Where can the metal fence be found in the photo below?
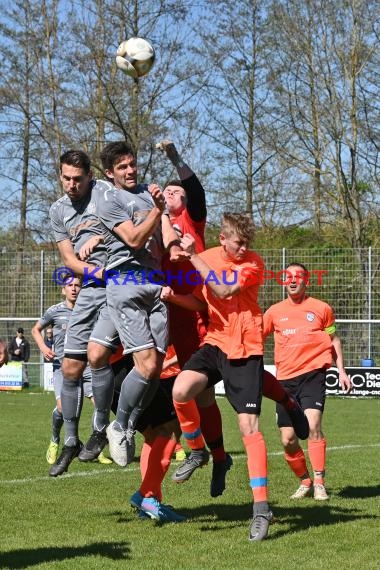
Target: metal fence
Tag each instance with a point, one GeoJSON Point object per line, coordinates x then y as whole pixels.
{"type": "Point", "coordinates": [348, 281]}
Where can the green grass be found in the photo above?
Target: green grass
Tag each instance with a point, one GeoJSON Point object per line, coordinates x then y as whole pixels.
{"type": "Point", "coordinates": [83, 519]}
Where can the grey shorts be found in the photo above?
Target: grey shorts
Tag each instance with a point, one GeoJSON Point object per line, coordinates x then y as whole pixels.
{"type": "Point", "coordinates": [57, 383]}
{"type": "Point", "coordinates": [138, 313]}
{"type": "Point", "coordinates": [90, 320]}
{"type": "Point", "coordinates": [86, 379]}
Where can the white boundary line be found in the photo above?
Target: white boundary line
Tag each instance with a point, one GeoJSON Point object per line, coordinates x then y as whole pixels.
{"type": "Point", "coordinates": [107, 470]}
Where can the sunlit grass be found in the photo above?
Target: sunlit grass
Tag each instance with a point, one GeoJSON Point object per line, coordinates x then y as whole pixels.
{"type": "Point", "coordinates": [83, 519]}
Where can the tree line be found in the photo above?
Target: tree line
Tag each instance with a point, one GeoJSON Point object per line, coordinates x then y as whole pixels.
{"type": "Point", "coordinates": [275, 104]}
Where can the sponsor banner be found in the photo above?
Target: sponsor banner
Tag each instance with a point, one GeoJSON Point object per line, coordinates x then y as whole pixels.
{"type": "Point", "coordinates": [11, 376]}
{"type": "Point", "coordinates": [48, 377]}
{"type": "Point", "coordinates": [366, 382]}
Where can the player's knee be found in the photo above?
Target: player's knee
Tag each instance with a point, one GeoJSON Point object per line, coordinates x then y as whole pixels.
{"type": "Point", "coordinates": [181, 393]}
{"type": "Point", "coordinates": [248, 424]}
{"type": "Point", "coordinates": [72, 369]}
{"type": "Point", "coordinates": [149, 370]}
{"type": "Point", "coordinates": [98, 355]}
{"type": "Point", "coordinates": [315, 434]}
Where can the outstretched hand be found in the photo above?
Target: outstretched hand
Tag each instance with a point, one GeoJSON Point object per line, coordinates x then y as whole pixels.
{"type": "Point", "coordinates": [168, 147]}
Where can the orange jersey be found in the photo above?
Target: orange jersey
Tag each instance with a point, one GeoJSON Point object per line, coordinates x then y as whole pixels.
{"type": "Point", "coordinates": [173, 369]}
{"type": "Point", "coordinates": [302, 342]}
{"type": "Point", "coordinates": [235, 323]}
{"type": "Point", "coordinates": [178, 275]}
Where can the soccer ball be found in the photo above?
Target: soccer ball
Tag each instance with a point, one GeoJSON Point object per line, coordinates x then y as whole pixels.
{"type": "Point", "coordinates": [135, 57]}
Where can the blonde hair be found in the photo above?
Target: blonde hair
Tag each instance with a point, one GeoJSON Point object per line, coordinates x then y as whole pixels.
{"type": "Point", "coordinates": [239, 224]}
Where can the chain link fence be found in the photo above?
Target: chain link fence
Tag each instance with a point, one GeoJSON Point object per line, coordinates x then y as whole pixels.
{"type": "Point", "coordinates": [349, 281]}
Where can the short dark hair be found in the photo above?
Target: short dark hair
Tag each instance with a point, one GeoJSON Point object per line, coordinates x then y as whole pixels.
{"type": "Point", "coordinates": [113, 151]}
{"type": "Point", "coordinates": [20, 330]}
{"type": "Point", "coordinates": [76, 158]}
{"type": "Point", "coordinates": [296, 264]}
{"type": "Point", "coordinates": [175, 183]}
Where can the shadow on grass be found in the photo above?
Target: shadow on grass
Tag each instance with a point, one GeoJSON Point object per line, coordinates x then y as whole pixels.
{"type": "Point", "coordinates": [286, 519]}
{"type": "Point", "coordinates": [359, 492]}
{"type": "Point", "coordinates": [26, 557]}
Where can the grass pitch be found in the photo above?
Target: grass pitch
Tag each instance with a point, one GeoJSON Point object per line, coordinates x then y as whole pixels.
{"type": "Point", "coordinates": [83, 519]}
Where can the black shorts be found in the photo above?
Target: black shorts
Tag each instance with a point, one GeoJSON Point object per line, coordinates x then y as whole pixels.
{"type": "Point", "coordinates": [242, 377]}
{"type": "Point", "coordinates": [161, 409]}
{"type": "Point", "coordinates": [309, 389]}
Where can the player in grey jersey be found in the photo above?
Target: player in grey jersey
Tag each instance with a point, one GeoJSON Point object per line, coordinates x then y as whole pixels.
{"type": "Point", "coordinates": [91, 335]}
{"type": "Point", "coordinates": [58, 316]}
{"type": "Point", "coordinates": [136, 231]}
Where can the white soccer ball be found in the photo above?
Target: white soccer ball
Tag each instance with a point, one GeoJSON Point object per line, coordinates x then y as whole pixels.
{"type": "Point", "coordinates": [135, 57]}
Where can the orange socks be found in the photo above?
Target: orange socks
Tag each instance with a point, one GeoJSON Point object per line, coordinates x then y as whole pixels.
{"type": "Point", "coordinates": [211, 425]}
{"type": "Point", "coordinates": [297, 463]}
{"type": "Point", "coordinates": [188, 416]}
{"type": "Point", "coordinates": [160, 455]}
{"type": "Point", "coordinates": [144, 458]}
{"type": "Point", "coordinates": [317, 454]}
{"type": "Point", "coordinates": [257, 465]}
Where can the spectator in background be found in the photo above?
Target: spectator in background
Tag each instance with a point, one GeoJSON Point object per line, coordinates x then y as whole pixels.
{"type": "Point", "coordinates": [19, 351]}
{"type": "Point", "coordinates": [49, 342]}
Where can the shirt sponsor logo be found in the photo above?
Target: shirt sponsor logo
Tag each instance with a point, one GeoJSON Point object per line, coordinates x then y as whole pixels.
{"type": "Point", "coordinates": [250, 405]}
{"type": "Point", "coordinates": [287, 332]}
{"type": "Point", "coordinates": [310, 317]}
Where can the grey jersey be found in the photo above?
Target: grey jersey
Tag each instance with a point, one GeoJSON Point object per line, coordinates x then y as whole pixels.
{"type": "Point", "coordinates": [115, 206]}
{"type": "Point", "coordinates": [78, 222]}
{"type": "Point", "coordinates": [58, 317]}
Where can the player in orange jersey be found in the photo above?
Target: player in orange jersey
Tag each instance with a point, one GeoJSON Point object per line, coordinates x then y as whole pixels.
{"type": "Point", "coordinates": [232, 350]}
{"type": "Point", "coordinates": [305, 345]}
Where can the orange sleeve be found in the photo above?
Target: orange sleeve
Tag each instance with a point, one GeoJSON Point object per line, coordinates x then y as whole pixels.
{"type": "Point", "coordinates": [268, 326]}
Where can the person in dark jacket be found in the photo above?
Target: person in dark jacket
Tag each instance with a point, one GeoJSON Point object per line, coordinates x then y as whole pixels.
{"type": "Point", "coordinates": [19, 351]}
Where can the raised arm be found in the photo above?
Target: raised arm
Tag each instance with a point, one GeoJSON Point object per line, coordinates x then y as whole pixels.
{"type": "Point", "coordinates": [195, 194]}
